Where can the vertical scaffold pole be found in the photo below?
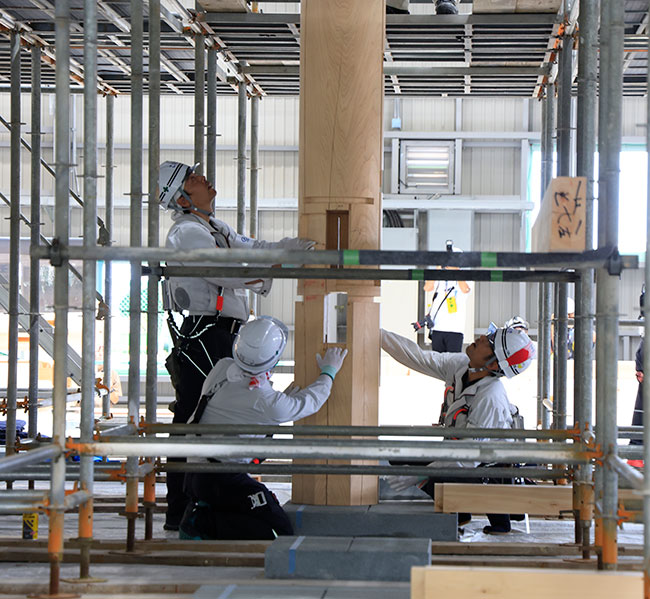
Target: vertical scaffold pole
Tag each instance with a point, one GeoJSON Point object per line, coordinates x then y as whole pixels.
{"type": "Point", "coordinates": [61, 240]}
{"type": "Point", "coordinates": [86, 472]}
{"type": "Point", "coordinates": [14, 246]}
{"type": "Point", "coordinates": [646, 368]}
{"type": "Point", "coordinates": [35, 240]}
{"type": "Point", "coordinates": [135, 304]}
{"type": "Point", "coordinates": [584, 323]}
{"type": "Point", "coordinates": [211, 138]}
{"type": "Point", "coordinates": [108, 264]}
{"type": "Point", "coordinates": [255, 154]}
{"type": "Point", "coordinates": [241, 158]}
{"type": "Point", "coordinates": [199, 101]}
{"type": "Point", "coordinates": [151, 396]}
{"type": "Point", "coordinates": [611, 54]}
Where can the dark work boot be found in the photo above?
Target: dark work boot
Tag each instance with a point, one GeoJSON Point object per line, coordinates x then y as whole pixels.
{"type": "Point", "coordinates": [499, 524]}
{"type": "Point", "coordinates": [464, 519]}
{"type": "Point", "coordinates": [446, 7]}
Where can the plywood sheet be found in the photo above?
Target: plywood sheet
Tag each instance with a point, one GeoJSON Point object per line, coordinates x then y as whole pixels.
{"type": "Point", "coordinates": [225, 5]}
{"type": "Point", "coordinates": [441, 582]}
{"type": "Point", "coordinates": [560, 223]}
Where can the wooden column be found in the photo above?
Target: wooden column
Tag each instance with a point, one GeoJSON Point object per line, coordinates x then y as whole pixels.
{"type": "Point", "coordinates": [341, 100]}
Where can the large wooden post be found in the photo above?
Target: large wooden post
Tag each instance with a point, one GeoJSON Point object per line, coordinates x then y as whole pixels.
{"type": "Point", "coordinates": [341, 100]}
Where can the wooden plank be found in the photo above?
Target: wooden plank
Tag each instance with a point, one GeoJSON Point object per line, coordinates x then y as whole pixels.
{"type": "Point", "coordinates": [225, 5]}
{"type": "Point", "coordinates": [511, 583]}
{"type": "Point", "coordinates": [515, 6]}
{"type": "Point", "coordinates": [536, 500]}
{"type": "Point", "coordinates": [537, 6]}
{"type": "Point", "coordinates": [493, 6]}
{"type": "Point", "coordinates": [560, 224]}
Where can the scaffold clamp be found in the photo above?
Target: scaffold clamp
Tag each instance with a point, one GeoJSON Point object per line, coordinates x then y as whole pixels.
{"type": "Point", "coordinates": [615, 263]}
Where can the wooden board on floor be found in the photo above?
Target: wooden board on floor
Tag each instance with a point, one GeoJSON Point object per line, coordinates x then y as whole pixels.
{"type": "Point", "coordinates": [224, 5]}
{"type": "Point", "coordinates": [515, 6]}
{"type": "Point", "coordinates": [438, 582]}
{"type": "Point", "coordinates": [535, 500]}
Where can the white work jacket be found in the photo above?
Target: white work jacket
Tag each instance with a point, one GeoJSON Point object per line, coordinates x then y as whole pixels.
{"type": "Point", "coordinates": [198, 295]}
{"type": "Point", "coordinates": [236, 403]}
{"type": "Point", "coordinates": [486, 400]}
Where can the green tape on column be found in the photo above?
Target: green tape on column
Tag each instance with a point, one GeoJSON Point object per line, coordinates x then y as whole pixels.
{"type": "Point", "coordinates": [417, 275]}
{"type": "Point", "coordinates": [350, 257]}
{"type": "Point", "coordinates": [489, 259]}
{"type": "Point", "coordinates": [496, 275]}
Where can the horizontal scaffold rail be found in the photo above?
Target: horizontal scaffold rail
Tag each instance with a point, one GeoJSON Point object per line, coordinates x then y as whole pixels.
{"type": "Point", "coordinates": [429, 471]}
{"type": "Point", "coordinates": [366, 274]}
{"type": "Point", "coordinates": [353, 431]}
{"type": "Point", "coordinates": [346, 449]}
{"type": "Point", "coordinates": [603, 257]}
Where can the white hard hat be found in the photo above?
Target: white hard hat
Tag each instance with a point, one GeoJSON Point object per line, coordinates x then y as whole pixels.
{"type": "Point", "coordinates": [517, 322]}
{"type": "Point", "coordinates": [513, 349]}
{"type": "Point", "coordinates": [171, 178]}
{"type": "Point", "coordinates": [570, 306]}
{"type": "Point", "coordinates": [260, 344]}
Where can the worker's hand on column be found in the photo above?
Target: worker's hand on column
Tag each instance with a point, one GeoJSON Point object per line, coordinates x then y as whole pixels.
{"type": "Point", "coordinates": [298, 243]}
{"type": "Point", "coordinates": [639, 376]}
{"type": "Point", "coordinates": [332, 361]}
{"type": "Point", "coordinates": [401, 483]}
{"type": "Point", "coordinates": [292, 389]}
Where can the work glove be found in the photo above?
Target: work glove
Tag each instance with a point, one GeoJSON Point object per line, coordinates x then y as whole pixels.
{"type": "Point", "coordinates": [297, 243]}
{"type": "Point", "coordinates": [401, 483]}
{"type": "Point", "coordinates": [332, 361]}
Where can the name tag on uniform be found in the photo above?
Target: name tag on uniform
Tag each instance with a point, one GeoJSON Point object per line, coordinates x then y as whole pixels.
{"type": "Point", "coordinates": [451, 305]}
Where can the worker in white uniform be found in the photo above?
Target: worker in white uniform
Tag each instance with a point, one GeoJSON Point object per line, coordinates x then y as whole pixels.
{"type": "Point", "coordinates": [474, 395]}
{"type": "Point", "coordinates": [213, 308]}
{"type": "Point", "coordinates": [238, 390]}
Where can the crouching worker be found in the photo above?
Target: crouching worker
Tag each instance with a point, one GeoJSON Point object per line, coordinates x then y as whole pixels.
{"type": "Point", "coordinates": [238, 391]}
{"type": "Point", "coordinates": [474, 395]}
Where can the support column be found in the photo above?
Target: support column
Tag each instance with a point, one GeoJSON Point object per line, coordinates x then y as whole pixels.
{"type": "Point", "coordinates": [136, 269]}
{"type": "Point", "coordinates": [584, 317]}
{"type": "Point", "coordinates": [108, 264]}
{"type": "Point", "coordinates": [211, 150]}
{"type": "Point", "coordinates": [241, 158]}
{"type": "Point", "coordinates": [199, 101]}
{"type": "Point", "coordinates": [254, 172]}
{"type": "Point", "coordinates": [339, 207]}
{"type": "Point", "coordinates": [86, 470]}
{"type": "Point", "coordinates": [14, 245]}
{"type": "Point", "coordinates": [35, 240]}
{"type": "Point", "coordinates": [62, 234]}
{"type": "Point", "coordinates": [611, 55]}
{"type": "Point", "coordinates": [153, 212]}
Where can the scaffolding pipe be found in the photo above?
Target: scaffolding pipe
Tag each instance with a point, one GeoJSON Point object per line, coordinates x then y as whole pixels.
{"type": "Point", "coordinates": [355, 449]}
{"type": "Point", "coordinates": [255, 153]}
{"type": "Point", "coordinates": [108, 264]}
{"type": "Point", "coordinates": [241, 158]}
{"type": "Point", "coordinates": [135, 308]}
{"type": "Point", "coordinates": [584, 319]}
{"type": "Point", "coordinates": [436, 471]}
{"type": "Point", "coordinates": [496, 260]}
{"type": "Point", "coordinates": [14, 247]}
{"type": "Point", "coordinates": [646, 368]}
{"type": "Point", "coordinates": [199, 101]}
{"type": "Point", "coordinates": [89, 283]}
{"type": "Point", "coordinates": [211, 141]}
{"type": "Point", "coordinates": [630, 474]}
{"type": "Point", "coordinates": [611, 55]}
{"type": "Point", "coordinates": [34, 226]}
{"type": "Point", "coordinates": [19, 460]}
{"type": "Point", "coordinates": [62, 234]}
{"type": "Point", "coordinates": [365, 431]}
{"type": "Point", "coordinates": [370, 274]}
{"type": "Point", "coordinates": [151, 385]}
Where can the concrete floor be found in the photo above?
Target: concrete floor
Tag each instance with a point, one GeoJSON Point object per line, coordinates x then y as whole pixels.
{"type": "Point", "coordinates": [132, 579]}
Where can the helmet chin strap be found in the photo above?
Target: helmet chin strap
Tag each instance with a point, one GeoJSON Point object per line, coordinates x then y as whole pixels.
{"type": "Point", "coordinates": [193, 207]}
{"type": "Point", "coordinates": [484, 368]}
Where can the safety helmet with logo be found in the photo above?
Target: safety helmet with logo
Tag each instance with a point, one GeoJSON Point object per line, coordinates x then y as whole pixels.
{"type": "Point", "coordinates": [517, 322]}
{"type": "Point", "coordinates": [260, 344]}
{"type": "Point", "coordinates": [171, 179]}
{"type": "Point", "coordinates": [513, 349]}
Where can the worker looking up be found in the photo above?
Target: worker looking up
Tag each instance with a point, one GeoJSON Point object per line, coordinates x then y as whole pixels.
{"type": "Point", "coordinates": [238, 391]}
{"type": "Point", "coordinates": [474, 395]}
{"type": "Point", "coordinates": [213, 308]}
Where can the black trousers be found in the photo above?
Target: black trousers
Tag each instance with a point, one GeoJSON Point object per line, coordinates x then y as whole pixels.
{"type": "Point", "coordinates": [239, 507]}
{"type": "Point", "coordinates": [188, 365]}
{"type": "Point", "coordinates": [637, 417]}
{"type": "Point", "coordinates": [446, 341]}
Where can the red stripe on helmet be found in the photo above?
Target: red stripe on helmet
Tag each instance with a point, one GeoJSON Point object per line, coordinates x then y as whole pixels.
{"type": "Point", "coordinates": [519, 356]}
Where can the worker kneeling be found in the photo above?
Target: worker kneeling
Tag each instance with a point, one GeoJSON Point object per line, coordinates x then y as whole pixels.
{"type": "Point", "coordinates": [238, 391]}
{"type": "Point", "coordinates": [474, 395]}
